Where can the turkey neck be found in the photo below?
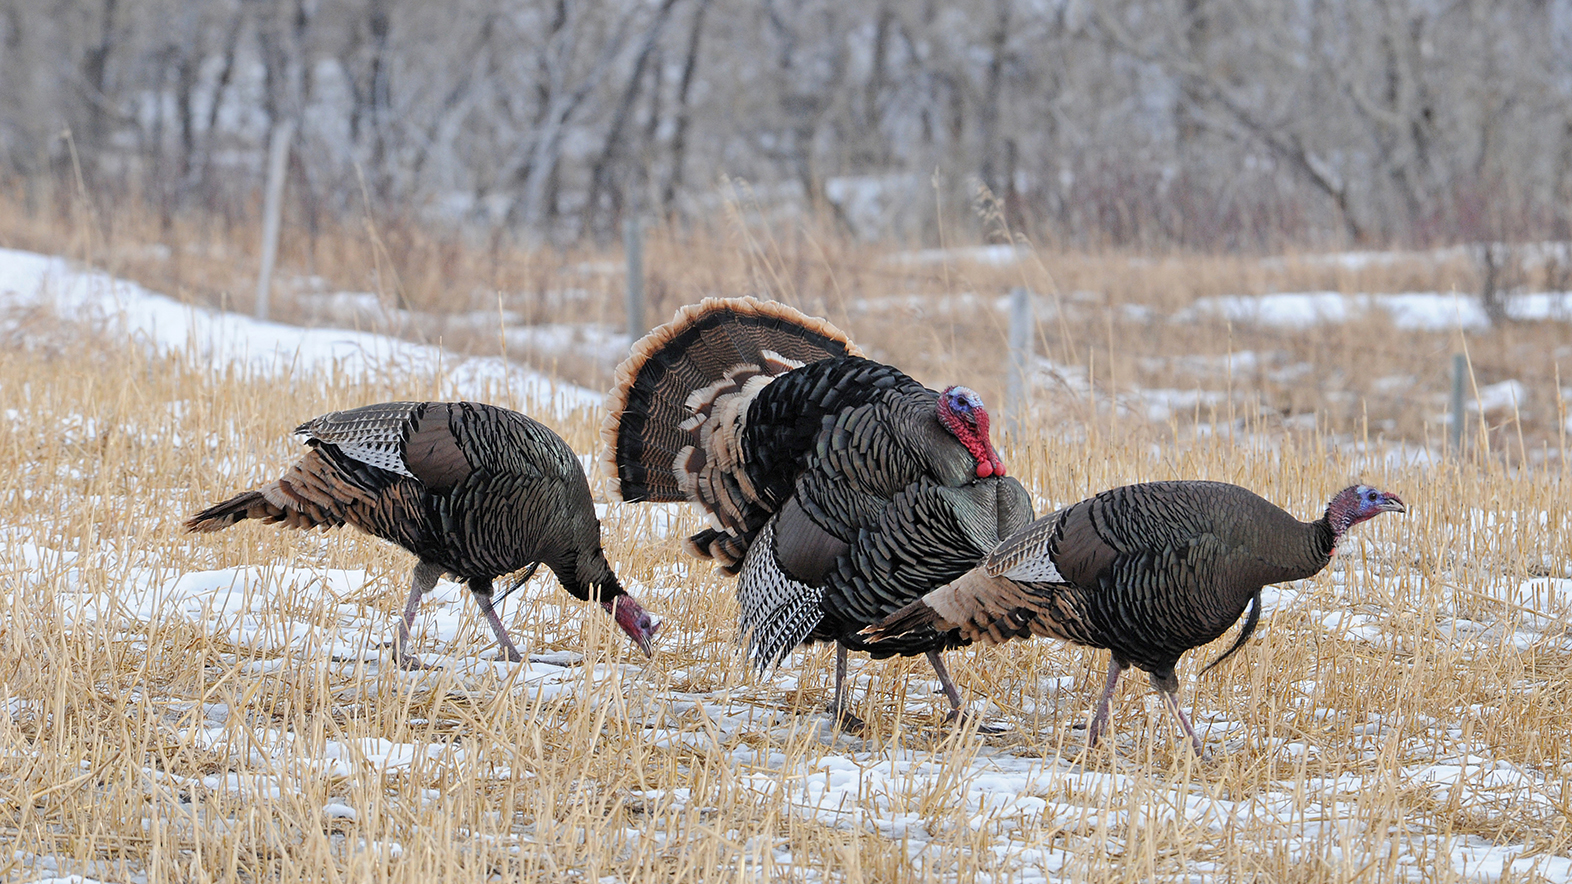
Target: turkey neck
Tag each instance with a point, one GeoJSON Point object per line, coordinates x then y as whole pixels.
{"type": "Point", "coordinates": [588, 575]}
{"type": "Point", "coordinates": [1323, 541]}
{"type": "Point", "coordinates": [1311, 549]}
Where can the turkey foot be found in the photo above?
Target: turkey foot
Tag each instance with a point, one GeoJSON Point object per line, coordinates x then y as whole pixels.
{"type": "Point", "coordinates": [507, 651]}
{"type": "Point", "coordinates": [844, 719]}
{"type": "Point", "coordinates": [1172, 702]}
{"type": "Point", "coordinates": [423, 579]}
{"type": "Point", "coordinates": [962, 718]}
{"type": "Point", "coordinates": [411, 663]}
{"type": "Point", "coordinates": [1099, 723]}
{"type": "Point", "coordinates": [957, 714]}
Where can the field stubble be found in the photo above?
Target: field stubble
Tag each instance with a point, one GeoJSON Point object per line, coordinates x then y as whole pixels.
{"type": "Point", "coordinates": [263, 738]}
{"type": "Point", "coordinates": [1116, 334]}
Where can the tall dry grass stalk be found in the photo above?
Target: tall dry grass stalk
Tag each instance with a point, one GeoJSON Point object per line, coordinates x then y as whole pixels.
{"type": "Point", "coordinates": [142, 740]}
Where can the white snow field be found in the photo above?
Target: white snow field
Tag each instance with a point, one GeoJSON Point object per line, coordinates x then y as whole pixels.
{"type": "Point", "coordinates": [1401, 788]}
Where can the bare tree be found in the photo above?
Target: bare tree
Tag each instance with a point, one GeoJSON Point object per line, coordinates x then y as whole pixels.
{"type": "Point", "coordinates": [682, 113]}
{"type": "Point", "coordinates": [1247, 124]}
{"type": "Point", "coordinates": [613, 147]}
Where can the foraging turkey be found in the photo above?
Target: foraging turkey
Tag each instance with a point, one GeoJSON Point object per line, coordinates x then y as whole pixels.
{"type": "Point", "coordinates": [1147, 571]}
{"type": "Point", "coordinates": [473, 490]}
{"type": "Point", "coordinates": [836, 487]}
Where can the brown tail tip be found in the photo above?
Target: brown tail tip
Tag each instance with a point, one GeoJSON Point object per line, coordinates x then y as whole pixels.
{"type": "Point", "coordinates": [911, 618]}
{"type": "Point", "coordinates": [221, 515]}
{"type": "Point", "coordinates": [200, 524]}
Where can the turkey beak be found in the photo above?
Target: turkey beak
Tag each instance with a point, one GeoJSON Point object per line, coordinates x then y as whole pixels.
{"type": "Point", "coordinates": [1391, 503]}
{"type": "Point", "coordinates": [646, 639]}
{"type": "Point", "coordinates": [635, 621]}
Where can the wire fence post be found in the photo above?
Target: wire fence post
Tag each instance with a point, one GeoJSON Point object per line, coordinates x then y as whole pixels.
{"type": "Point", "coordinates": [1020, 358]}
{"type": "Point", "coordinates": [633, 245]}
{"type": "Point", "coordinates": [1455, 432]}
{"type": "Point", "coordinates": [273, 208]}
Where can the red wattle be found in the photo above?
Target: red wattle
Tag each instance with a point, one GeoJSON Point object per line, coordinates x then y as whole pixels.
{"type": "Point", "coordinates": [984, 469]}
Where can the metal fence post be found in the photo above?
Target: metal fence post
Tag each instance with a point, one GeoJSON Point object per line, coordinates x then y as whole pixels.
{"type": "Point", "coordinates": [1455, 434]}
{"type": "Point", "coordinates": [1020, 358]}
{"type": "Point", "coordinates": [633, 245]}
{"type": "Point", "coordinates": [273, 208]}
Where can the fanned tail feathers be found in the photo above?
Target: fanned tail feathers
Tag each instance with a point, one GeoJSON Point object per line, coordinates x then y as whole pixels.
{"type": "Point", "coordinates": [708, 352]}
{"type": "Point", "coordinates": [679, 405]}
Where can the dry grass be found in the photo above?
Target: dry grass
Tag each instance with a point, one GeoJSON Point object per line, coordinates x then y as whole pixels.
{"type": "Point", "coordinates": [145, 743]}
{"type": "Point", "coordinates": [1104, 320]}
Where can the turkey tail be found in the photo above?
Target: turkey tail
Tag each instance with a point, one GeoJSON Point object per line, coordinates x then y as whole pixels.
{"type": "Point", "coordinates": [696, 364]}
{"type": "Point", "coordinates": [952, 607]}
{"type": "Point", "coordinates": [260, 505]}
{"type": "Point", "coordinates": [246, 505]}
{"type": "Point", "coordinates": [312, 494]}
{"type": "Point", "coordinates": [912, 618]}
{"type": "Point", "coordinates": [718, 545]}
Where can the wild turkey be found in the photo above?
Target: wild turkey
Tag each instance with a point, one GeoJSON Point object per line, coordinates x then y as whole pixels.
{"type": "Point", "coordinates": [838, 488]}
{"type": "Point", "coordinates": [473, 490]}
{"type": "Point", "coordinates": [1147, 571]}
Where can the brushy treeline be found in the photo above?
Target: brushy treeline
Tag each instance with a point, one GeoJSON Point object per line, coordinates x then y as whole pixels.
{"type": "Point", "coordinates": [1204, 124]}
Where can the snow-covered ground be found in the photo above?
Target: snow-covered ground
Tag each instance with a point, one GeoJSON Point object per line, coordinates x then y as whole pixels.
{"type": "Point", "coordinates": [1017, 799]}
{"type": "Point", "coordinates": [221, 340]}
{"type": "Point", "coordinates": [1426, 311]}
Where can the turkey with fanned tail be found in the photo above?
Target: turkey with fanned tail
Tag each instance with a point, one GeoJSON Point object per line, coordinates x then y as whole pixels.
{"type": "Point", "coordinates": [837, 488]}
{"type": "Point", "coordinates": [1147, 571]}
{"type": "Point", "coordinates": [473, 490]}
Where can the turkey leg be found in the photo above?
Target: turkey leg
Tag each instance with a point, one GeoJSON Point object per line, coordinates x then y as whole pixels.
{"type": "Point", "coordinates": [425, 577]}
{"type": "Point", "coordinates": [1100, 720]}
{"type": "Point", "coordinates": [844, 719]}
{"type": "Point", "coordinates": [482, 592]}
{"type": "Point", "coordinates": [1172, 701]}
{"type": "Point", "coordinates": [956, 713]}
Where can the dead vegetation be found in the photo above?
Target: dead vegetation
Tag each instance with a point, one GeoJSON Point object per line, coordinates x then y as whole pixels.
{"type": "Point", "coordinates": [154, 743]}
{"type": "Point", "coordinates": [149, 742]}
{"type": "Point", "coordinates": [1119, 337]}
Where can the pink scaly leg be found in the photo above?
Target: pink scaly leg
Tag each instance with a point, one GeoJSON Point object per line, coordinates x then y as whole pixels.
{"type": "Point", "coordinates": [425, 577]}
{"type": "Point", "coordinates": [482, 591]}
{"type": "Point", "coordinates": [956, 713]}
{"type": "Point", "coordinates": [1100, 720]}
{"type": "Point", "coordinates": [1172, 702]}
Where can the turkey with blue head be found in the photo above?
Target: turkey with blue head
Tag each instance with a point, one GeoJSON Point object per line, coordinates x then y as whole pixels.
{"type": "Point", "coordinates": [1147, 571]}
